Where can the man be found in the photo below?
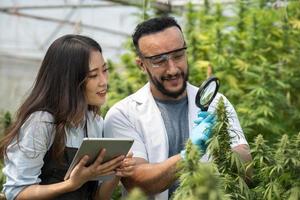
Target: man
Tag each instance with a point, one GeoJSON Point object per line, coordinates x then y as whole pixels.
{"type": "Point", "coordinates": [160, 116]}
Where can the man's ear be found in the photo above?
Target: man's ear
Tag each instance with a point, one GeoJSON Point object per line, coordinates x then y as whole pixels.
{"type": "Point", "coordinates": [140, 63]}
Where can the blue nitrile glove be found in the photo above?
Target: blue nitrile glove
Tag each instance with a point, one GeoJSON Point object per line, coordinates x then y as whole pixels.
{"type": "Point", "coordinates": [201, 131]}
{"type": "Point", "coordinates": [201, 116]}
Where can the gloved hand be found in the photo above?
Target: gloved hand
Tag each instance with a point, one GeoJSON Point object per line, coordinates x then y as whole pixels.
{"type": "Point", "coordinates": [201, 131]}
{"type": "Point", "coordinates": [201, 116]}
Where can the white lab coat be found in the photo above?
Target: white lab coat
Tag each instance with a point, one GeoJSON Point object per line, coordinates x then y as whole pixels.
{"type": "Point", "coordinates": [138, 117]}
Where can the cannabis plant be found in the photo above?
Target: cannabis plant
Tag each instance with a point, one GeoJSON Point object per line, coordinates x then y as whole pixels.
{"type": "Point", "coordinates": [277, 168]}
{"type": "Point", "coordinates": [232, 169]}
{"type": "Point", "coordinates": [198, 181]}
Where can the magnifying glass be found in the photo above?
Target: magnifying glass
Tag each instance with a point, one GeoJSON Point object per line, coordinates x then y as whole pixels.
{"type": "Point", "coordinates": [207, 92]}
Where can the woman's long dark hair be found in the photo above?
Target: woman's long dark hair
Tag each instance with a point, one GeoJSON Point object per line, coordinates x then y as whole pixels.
{"type": "Point", "coordinates": [59, 89]}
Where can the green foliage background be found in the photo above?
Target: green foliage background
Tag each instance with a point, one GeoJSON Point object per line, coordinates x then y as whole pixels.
{"type": "Point", "coordinates": [253, 47]}
{"type": "Point", "coordinates": [5, 121]}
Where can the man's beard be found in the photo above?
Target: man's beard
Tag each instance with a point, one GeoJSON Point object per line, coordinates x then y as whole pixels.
{"type": "Point", "coordinates": [160, 87]}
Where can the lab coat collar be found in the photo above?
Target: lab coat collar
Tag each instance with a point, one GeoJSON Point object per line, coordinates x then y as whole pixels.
{"type": "Point", "coordinates": [143, 94]}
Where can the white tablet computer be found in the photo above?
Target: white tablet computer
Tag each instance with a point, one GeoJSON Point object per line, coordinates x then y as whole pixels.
{"type": "Point", "coordinates": [92, 146]}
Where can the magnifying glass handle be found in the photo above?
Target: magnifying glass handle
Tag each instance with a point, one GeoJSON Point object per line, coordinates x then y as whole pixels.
{"type": "Point", "coordinates": [204, 109]}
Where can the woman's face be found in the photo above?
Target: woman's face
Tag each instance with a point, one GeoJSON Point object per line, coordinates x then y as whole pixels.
{"type": "Point", "coordinates": [96, 84]}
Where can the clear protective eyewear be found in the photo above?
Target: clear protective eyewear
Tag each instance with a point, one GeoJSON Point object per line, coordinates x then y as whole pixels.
{"type": "Point", "coordinates": [161, 60]}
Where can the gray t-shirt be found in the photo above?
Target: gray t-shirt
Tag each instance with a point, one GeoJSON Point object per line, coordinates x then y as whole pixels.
{"type": "Point", "coordinates": [175, 116]}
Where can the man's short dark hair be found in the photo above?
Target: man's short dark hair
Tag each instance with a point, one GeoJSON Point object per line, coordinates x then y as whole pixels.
{"type": "Point", "coordinates": [152, 25]}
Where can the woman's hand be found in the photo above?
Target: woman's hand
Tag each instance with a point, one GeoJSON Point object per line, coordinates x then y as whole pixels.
{"type": "Point", "coordinates": [124, 170]}
{"type": "Point", "coordinates": [82, 173]}
{"type": "Point", "coordinates": [127, 166]}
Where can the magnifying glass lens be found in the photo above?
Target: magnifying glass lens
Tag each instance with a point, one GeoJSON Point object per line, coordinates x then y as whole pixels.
{"type": "Point", "coordinates": [207, 92]}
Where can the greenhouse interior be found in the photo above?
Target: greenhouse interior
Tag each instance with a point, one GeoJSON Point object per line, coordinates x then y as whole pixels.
{"type": "Point", "coordinates": [249, 132]}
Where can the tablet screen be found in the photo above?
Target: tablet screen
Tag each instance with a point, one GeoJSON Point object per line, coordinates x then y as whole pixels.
{"type": "Point", "coordinates": [92, 147]}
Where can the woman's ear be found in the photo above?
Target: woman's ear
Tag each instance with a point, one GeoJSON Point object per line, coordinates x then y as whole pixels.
{"type": "Point", "coordinates": [140, 63]}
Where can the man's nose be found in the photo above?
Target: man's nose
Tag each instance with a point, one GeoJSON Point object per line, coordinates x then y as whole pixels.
{"type": "Point", "coordinates": [171, 68]}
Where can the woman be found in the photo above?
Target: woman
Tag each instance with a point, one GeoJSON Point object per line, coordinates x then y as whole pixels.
{"type": "Point", "coordinates": [50, 125]}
